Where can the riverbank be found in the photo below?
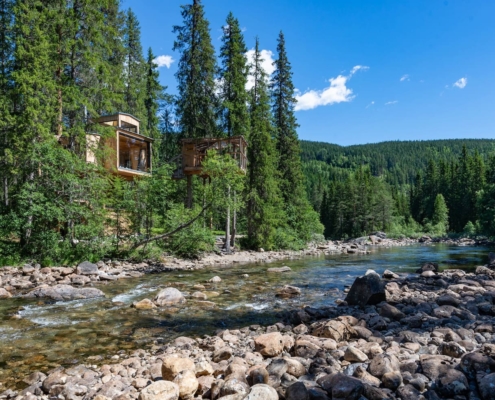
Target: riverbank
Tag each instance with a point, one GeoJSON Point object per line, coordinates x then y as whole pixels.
{"type": "Point", "coordinates": [34, 281]}
{"type": "Point", "coordinates": [426, 335]}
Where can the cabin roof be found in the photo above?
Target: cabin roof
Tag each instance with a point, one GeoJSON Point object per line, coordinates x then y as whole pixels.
{"type": "Point", "coordinates": [120, 113]}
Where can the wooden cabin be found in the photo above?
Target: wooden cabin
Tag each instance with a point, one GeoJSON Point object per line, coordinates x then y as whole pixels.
{"type": "Point", "coordinates": [131, 155]}
{"type": "Point", "coordinates": [194, 151]}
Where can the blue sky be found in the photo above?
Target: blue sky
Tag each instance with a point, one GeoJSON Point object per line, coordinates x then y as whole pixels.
{"type": "Point", "coordinates": [366, 70]}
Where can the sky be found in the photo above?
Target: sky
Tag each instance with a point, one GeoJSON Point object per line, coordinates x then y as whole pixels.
{"type": "Point", "coordinates": [365, 70]}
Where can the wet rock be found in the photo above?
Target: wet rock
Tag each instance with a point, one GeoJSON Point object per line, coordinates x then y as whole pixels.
{"type": "Point", "coordinates": [279, 269]}
{"type": "Point", "coordinates": [87, 268]}
{"type": "Point", "coordinates": [366, 290]}
{"type": "Point", "coordinates": [389, 275]}
{"type": "Point", "coordinates": [288, 292]}
{"type": "Point", "coordinates": [215, 279]}
{"type": "Point", "coordinates": [199, 296]}
{"type": "Point", "coordinates": [269, 344]}
{"type": "Point", "coordinates": [145, 304]}
{"type": "Point", "coordinates": [169, 296]}
{"type": "Point", "coordinates": [173, 365]}
{"type": "Point", "coordinates": [161, 390]}
{"type": "Point", "coordinates": [428, 267]}
{"type": "Point", "coordinates": [64, 292]}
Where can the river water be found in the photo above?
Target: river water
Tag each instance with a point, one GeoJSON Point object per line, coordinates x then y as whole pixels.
{"type": "Point", "coordinates": [40, 335]}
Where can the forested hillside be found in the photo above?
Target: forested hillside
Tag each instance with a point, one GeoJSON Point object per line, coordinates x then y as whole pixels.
{"type": "Point", "coordinates": [402, 187]}
{"type": "Point", "coordinates": [66, 196]}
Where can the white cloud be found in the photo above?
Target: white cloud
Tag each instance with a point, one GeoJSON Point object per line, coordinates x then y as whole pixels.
{"type": "Point", "coordinates": [369, 105]}
{"type": "Point", "coordinates": [404, 78]}
{"type": "Point", "coordinates": [337, 92]}
{"type": "Point", "coordinates": [357, 68]}
{"type": "Point", "coordinates": [163, 61]}
{"type": "Point", "coordinates": [266, 64]}
{"type": "Point", "coordinates": [461, 83]}
{"type": "Point", "coordinates": [389, 103]}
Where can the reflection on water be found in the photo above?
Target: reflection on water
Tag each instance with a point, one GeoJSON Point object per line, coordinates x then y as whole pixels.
{"type": "Point", "coordinates": [41, 335]}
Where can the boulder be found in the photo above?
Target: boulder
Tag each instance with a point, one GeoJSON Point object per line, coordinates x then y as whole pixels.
{"type": "Point", "coordinates": [215, 279]}
{"type": "Point", "coordinates": [354, 355]}
{"type": "Point", "coordinates": [487, 386]}
{"type": "Point", "coordinates": [87, 268]}
{"type": "Point", "coordinates": [161, 390]}
{"type": "Point", "coordinates": [269, 344]}
{"type": "Point", "coordinates": [64, 292]}
{"type": "Point", "coordinates": [262, 392]}
{"type": "Point", "coordinates": [366, 290]}
{"type": "Point", "coordinates": [430, 266]}
{"type": "Point", "coordinates": [389, 311]}
{"type": "Point", "coordinates": [187, 382]}
{"type": "Point", "coordinates": [145, 304]}
{"type": "Point", "coordinates": [4, 294]}
{"type": "Point", "coordinates": [173, 365]}
{"type": "Point", "coordinates": [341, 386]}
{"type": "Point", "coordinates": [297, 391]}
{"type": "Point", "coordinates": [168, 297]}
{"type": "Point", "coordinates": [288, 292]}
{"type": "Point", "coordinates": [279, 269]}
{"type": "Point", "coordinates": [337, 329]}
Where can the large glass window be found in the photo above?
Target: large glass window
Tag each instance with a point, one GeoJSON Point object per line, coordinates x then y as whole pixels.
{"type": "Point", "coordinates": [134, 153]}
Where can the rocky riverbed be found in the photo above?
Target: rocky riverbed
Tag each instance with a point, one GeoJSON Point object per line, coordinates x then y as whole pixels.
{"type": "Point", "coordinates": [407, 336]}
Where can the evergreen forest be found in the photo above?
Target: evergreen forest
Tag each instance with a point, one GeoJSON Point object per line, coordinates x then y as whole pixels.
{"type": "Point", "coordinates": [64, 64]}
{"type": "Point", "coordinates": [408, 188]}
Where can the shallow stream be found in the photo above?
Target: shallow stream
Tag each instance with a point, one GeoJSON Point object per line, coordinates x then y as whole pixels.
{"type": "Point", "coordinates": [40, 335]}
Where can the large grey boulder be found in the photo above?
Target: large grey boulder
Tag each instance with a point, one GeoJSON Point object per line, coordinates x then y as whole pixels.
{"type": "Point", "coordinates": [366, 290]}
{"type": "Point", "coordinates": [87, 268]}
{"type": "Point", "coordinates": [168, 297]}
{"type": "Point", "coordinates": [64, 292]}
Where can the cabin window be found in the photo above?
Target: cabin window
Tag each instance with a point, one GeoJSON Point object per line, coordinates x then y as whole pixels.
{"type": "Point", "coordinates": [134, 153]}
{"type": "Point", "coordinates": [129, 127]}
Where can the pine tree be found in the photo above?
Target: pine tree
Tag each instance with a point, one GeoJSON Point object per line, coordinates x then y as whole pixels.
{"type": "Point", "coordinates": [441, 214]}
{"type": "Point", "coordinates": [263, 199]}
{"type": "Point", "coordinates": [153, 96]}
{"type": "Point", "coordinates": [301, 217]}
{"type": "Point", "coordinates": [6, 97]}
{"type": "Point", "coordinates": [233, 78]}
{"type": "Point", "coordinates": [196, 102]}
{"type": "Point", "coordinates": [135, 69]}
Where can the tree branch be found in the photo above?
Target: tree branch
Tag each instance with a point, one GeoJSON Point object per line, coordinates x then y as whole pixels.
{"type": "Point", "coordinates": [165, 235]}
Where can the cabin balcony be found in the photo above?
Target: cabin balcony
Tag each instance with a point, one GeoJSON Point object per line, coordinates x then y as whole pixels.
{"type": "Point", "coordinates": [194, 152]}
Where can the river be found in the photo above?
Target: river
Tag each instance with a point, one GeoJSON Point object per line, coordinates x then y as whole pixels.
{"type": "Point", "coordinates": [40, 335]}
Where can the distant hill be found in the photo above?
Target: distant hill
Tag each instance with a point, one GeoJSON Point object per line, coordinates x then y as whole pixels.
{"type": "Point", "coordinates": [397, 161]}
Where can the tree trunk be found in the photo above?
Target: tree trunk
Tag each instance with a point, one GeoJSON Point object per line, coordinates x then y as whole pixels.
{"type": "Point", "coordinates": [234, 224]}
{"type": "Point", "coordinates": [189, 192]}
{"type": "Point", "coordinates": [6, 191]}
{"type": "Point", "coordinates": [227, 227]}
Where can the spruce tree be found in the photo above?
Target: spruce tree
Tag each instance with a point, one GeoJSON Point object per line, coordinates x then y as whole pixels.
{"type": "Point", "coordinates": [135, 69]}
{"type": "Point", "coordinates": [301, 217]}
{"type": "Point", "coordinates": [233, 78]}
{"type": "Point", "coordinates": [263, 208]}
{"type": "Point", "coordinates": [196, 101]}
{"type": "Point", "coordinates": [153, 96]}
{"type": "Point", "coordinates": [6, 97]}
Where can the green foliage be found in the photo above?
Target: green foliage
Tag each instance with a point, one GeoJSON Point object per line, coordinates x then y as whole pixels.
{"type": "Point", "coordinates": [196, 102]}
{"type": "Point", "coordinates": [233, 77]}
{"type": "Point", "coordinates": [441, 213]}
{"type": "Point", "coordinates": [264, 206]}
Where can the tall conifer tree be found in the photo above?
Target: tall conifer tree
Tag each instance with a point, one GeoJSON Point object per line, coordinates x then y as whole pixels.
{"type": "Point", "coordinates": [135, 69]}
{"type": "Point", "coordinates": [233, 78]}
{"type": "Point", "coordinates": [263, 207]}
{"type": "Point", "coordinates": [153, 96]}
{"type": "Point", "coordinates": [301, 217]}
{"type": "Point", "coordinates": [196, 102]}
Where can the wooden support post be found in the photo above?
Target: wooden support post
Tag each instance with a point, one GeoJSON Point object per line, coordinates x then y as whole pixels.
{"type": "Point", "coordinates": [189, 192]}
{"type": "Point", "coordinates": [234, 224]}
{"type": "Point", "coordinates": [227, 228]}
